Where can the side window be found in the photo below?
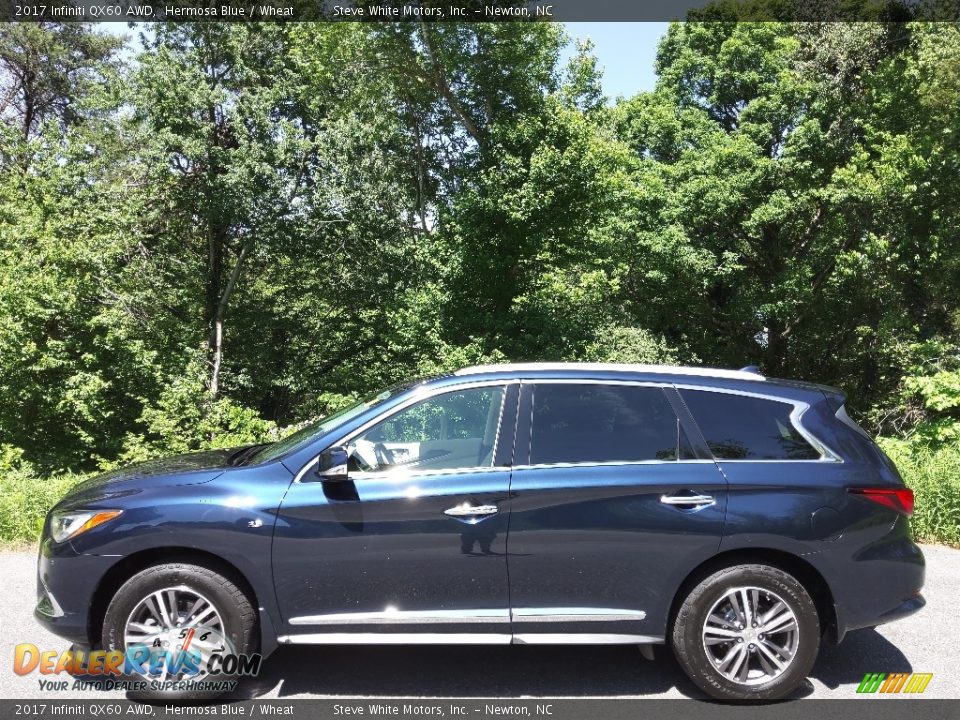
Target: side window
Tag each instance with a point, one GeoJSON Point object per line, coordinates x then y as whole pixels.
{"type": "Point", "coordinates": [603, 423]}
{"type": "Point", "coordinates": [738, 427]}
{"type": "Point", "coordinates": [457, 430]}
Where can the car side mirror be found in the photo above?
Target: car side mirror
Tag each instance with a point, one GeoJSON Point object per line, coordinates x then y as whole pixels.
{"type": "Point", "coordinates": [332, 464]}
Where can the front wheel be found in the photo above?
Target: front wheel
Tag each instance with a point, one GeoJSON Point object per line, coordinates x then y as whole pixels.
{"type": "Point", "coordinates": [171, 619]}
{"type": "Point", "coordinates": [747, 632]}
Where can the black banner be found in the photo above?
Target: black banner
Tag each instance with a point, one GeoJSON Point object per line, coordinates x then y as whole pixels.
{"type": "Point", "coordinates": [475, 10]}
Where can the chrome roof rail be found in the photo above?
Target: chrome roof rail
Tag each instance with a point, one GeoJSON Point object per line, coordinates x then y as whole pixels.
{"type": "Point", "coordinates": [745, 374]}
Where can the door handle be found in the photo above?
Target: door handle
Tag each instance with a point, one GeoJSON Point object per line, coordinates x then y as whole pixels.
{"type": "Point", "coordinates": [693, 500]}
{"type": "Point", "coordinates": [468, 510]}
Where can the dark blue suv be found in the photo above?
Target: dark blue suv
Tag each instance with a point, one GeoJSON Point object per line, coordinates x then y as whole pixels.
{"type": "Point", "coordinates": [739, 519]}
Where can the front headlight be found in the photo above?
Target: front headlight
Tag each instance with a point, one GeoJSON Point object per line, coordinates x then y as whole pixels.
{"type": "Point", "coordinates": [70, 523]}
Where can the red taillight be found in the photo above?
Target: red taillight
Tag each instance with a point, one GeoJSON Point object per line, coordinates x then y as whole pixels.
{"type": "Point", "coordinates": [899, 499]}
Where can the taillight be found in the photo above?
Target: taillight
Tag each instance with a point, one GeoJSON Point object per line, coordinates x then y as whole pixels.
{"type": "Point", "coordinates": [899, 499]}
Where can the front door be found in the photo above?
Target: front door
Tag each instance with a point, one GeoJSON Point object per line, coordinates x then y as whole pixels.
{"type": "Point", "coordinates": [612, 504]}
{"type": "Point", "coordinates": [412, 547]}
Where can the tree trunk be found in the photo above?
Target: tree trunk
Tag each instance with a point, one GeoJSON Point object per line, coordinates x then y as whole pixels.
{"type": "Point", "coordinates": [214, 324]}
{"type": "Point", "coordinates": [443, 86]}
{"type": "Point", "coordinates": [776, 354]}
{"type": "Point", "coordinates": [216, 332]}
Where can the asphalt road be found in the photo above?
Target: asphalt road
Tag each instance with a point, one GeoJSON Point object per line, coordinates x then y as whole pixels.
{"type": "Point", "coordinates": [925, 642]}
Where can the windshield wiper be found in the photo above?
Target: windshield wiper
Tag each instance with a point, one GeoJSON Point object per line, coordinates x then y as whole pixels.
{"type": "Point", "coordinates": [243, 455]}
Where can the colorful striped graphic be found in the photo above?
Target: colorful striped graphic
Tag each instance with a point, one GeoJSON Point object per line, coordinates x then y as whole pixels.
{"type": "Point", "coordinates": [894, 682]}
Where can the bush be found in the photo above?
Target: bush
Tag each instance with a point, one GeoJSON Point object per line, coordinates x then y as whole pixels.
{"type": "Point", "coordinates": [185, 418]}
{"type": "Point", "coordinates": [933, 473]}
{"type": "Point", "coordinates": [631, 345]}
{"type": "Point", "coordinates": [26, 496]}
{"type": "Point", "coordinates": [926, 448]}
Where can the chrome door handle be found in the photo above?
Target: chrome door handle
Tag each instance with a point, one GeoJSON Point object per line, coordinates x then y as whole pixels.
{"type": "Point", "coordinates": [468, 510]}
{"type": "Point", "coordinates": [694, 500]}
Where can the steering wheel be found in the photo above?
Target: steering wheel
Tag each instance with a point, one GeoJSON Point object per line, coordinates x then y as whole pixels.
{"type": "Point", "coordinates": [384, 455]}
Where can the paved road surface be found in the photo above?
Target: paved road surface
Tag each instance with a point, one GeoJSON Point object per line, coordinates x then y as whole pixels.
{"type": "Point", "coordinates": [926, 642]}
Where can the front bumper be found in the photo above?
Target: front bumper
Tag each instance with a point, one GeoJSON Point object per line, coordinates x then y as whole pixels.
{"type": "Point", "coordinates": [66, 590]}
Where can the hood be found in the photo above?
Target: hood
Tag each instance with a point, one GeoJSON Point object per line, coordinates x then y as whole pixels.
{"type": "Point", "coordinates": [189, 469]}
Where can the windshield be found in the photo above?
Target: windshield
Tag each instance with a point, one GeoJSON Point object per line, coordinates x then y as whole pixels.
{"type": "Point", "coordinates": [325, 424]}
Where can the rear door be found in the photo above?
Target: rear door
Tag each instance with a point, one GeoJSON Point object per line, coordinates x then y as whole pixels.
{"type": "Point", "coordinates": [785, 484]}
{"type": "Point", "coordinates": [614, 501]}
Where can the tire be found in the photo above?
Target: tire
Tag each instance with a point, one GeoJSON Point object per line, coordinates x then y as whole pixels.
{"type": "Point", "coordinates": [743, 663]}
{"type": "Point", "coordinates": [232, 608]}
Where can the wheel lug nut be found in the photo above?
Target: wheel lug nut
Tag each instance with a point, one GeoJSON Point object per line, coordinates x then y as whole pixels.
{"type": "Point", "coordinates": [739, 640]}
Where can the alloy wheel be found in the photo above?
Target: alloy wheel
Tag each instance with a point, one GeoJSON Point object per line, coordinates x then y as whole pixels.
{"type": "Point", "coordinates": [751, 635]}
{"type": "Point", "coordinates": [171, 621]}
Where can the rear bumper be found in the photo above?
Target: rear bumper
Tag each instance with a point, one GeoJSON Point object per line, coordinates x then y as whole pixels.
{"type": "Point", "coordinates": [904, 609]}
{"type": "Point", "coordinates": [880, 583]}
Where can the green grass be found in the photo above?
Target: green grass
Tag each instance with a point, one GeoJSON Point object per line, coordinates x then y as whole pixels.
{"type": "Point", "coordinates": [934, 477]}
{"type": "Point", "coordinates": [25, 499]}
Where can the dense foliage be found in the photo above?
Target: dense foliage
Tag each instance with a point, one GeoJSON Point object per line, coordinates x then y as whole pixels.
{"type": "Point", "coordinates": [234, 228]}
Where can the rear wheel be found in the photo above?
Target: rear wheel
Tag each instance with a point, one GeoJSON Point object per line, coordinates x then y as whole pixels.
{"type": "Point", "coordinates": [181, 614]}
{"type": "Point", "coordinates": [747, 632]}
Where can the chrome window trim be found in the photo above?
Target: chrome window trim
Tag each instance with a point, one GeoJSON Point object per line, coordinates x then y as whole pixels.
{"type": "Point", "coordinates": [409, 474]}
{"type": "Point", "coordinates": [611, 463]}
{"type": "Point", "coordinates": [827, 455]}
{"type": "Point", "coordinates": [799, 408]}
{"type": "Point", "coordinates": [421, 394]}
{"type": "Point", "coordinates": [823, 459]}
{"type": "Point", "coordinates": [845, 418]}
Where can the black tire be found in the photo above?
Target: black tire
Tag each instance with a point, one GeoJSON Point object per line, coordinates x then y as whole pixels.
{"type": "Point", "coordinates": [688, 627]}
{"type": "Point", "coordinates": [236, 612]}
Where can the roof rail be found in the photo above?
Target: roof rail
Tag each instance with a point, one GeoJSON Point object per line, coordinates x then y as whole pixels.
{"type": "Point", "coordinates": [745, 374]}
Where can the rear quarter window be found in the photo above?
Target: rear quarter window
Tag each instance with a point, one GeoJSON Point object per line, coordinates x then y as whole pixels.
{"type": "Point", "coordinates": [740, 427]}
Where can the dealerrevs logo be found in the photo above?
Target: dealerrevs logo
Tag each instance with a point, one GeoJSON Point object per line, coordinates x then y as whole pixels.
{"type": "Point", "coordinates": [894, 683]}
{"type": "Point", "coordinates": [185, 662]}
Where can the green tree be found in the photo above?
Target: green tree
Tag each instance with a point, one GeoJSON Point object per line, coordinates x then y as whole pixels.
{"type": "Point", "coordinates": [69, 353]}
{"type": "Point", "coordinates": [48, 71]}
{"type": "Point", "coordinates": [228, 162]}
{"type": "Point", "coordinates": [775, 153]}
